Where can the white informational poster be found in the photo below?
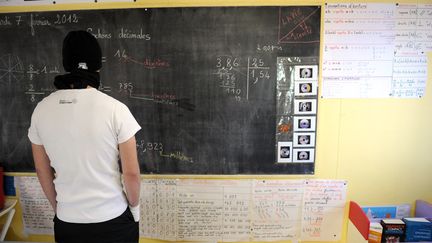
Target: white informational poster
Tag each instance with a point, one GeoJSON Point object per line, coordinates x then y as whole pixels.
{"type": "Point", "coordinates": [413, 29]}
{"type": "Point", "coordinates": [37, 213]}
{"type": "Point", "coordinates": [241, 210]}
{"type": "Point", "coordinates": [412, 42]}
{"type": "Point", "coordinates": [191, 210]}
{"type": "Point", "coordinates": [276, 213]}
{"type": "Point", "coordinates": [218, 210]}
{"type": "Point", "coordinates": [323, 205]}
{"type": "Point", "coordinates": [375, 50]}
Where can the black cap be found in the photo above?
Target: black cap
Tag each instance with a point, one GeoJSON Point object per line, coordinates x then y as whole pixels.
{"type": "Point", "coordinates": [81, 50]}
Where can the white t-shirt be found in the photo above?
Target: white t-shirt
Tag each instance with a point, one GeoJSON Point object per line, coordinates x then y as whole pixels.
{"type": "Point", "coordinates": [80, 130]}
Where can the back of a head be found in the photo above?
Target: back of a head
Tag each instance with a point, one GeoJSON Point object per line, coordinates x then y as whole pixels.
{"type": "Point", "coordinates": [81, 50]}
{"type": "Point", "coordinates": [82, 58]}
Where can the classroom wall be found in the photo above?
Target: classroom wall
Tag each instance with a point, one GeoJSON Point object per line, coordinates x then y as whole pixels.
{"type": "Point", "coordinates": [380, 146]}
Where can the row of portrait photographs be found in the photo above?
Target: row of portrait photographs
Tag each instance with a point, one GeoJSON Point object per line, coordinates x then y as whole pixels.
{"type": "Point", "coordinates": [301, 148]}
{"type": "Point", "coordinates": [304, 123]}
{"type": "Point", "coordinates": [288, 154]}
{"type": "Point", "coordinates": [305, 106]}
{"type": "Point", "coordinates": [306, 73]}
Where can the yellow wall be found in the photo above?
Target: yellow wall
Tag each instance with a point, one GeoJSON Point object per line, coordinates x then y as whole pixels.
{"type": "Point", "coordinates": [381, 146]}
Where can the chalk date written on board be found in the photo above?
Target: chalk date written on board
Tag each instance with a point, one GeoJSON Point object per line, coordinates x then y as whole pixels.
{"type": "Point", "coordinates": [66, 19]}
{"type": "Point", "coordinates": [37, 20]}
{"type": "Point", "coordinates": [40, 20]}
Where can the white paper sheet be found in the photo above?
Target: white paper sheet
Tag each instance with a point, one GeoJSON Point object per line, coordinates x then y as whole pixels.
{"type": "Point", "coordinates": [218, 210]}
{"type": "Point", "coordinates": [413, 29]}
{"type": "Point", "coordinates": [376, 50]}
{"type": "Point", "coordinates": [235, 210]}
{"type": "Point", "coordinates": [37, 213]}
{"type": "Point", "coordinates": [276, 212]}
{"type": "Point", "coordinates": [196, 209]}
{"type": "Point", "coordinates": [412, 41]}
{"type": "Point", "coordinates": [358, 50]}
{"type": "Point", "coordinates": [323, 208]}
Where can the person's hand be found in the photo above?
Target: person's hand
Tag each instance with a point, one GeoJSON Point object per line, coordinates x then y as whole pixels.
{"type": "Point", "coordinates": [135, 212]}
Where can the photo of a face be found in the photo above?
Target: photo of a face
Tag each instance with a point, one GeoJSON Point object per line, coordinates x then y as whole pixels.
{"type": "Point", "coordinates": [304, 139]}
{"type": "Point", "coordinates": [285, 152]}
{"type": "Point", "coordinates": [304, 123]}
{"type": "Point", "coordinates": [306, 72]}
{"type": "Point", "coordinates": [305, 106]}
{"type": "Point", "coordinates": [303, 155]}
{"type": "Point", "coordinates": [305, 88]}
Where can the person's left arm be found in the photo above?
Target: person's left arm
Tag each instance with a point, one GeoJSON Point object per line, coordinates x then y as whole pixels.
{"type": "Point", "coordinates": [45, 173]}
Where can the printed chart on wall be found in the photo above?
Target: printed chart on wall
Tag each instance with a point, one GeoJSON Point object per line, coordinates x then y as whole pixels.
{"type": "Point", "coordinates": [220, 210]}
{"type": "Point", "coordinates": [216, 90]}
{"type": "Point", "coordinates": [376, 50]}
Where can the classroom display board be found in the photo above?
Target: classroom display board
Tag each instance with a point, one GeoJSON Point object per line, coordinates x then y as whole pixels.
{"type": "Point", "coordinates": [202, 83]}
{"type": "Point", "coordinates": [219, 210]}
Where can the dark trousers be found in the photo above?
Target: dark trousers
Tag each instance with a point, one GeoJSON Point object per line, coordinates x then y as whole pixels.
{"type": "Point", "coordinates": [118, 230]}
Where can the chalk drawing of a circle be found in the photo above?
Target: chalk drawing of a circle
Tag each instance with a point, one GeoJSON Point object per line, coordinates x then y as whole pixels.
{"type": "Point", "coordinates": [11, 69]}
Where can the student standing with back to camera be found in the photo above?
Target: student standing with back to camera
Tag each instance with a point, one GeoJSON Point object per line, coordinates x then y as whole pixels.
{"type": "Point", "coordinates": [78, 134]}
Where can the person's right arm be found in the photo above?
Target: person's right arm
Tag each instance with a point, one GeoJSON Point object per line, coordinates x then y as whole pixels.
{"type": "Point", "coordinates": [45, 173]}
{"type": "Point", "coordinates": [131, 171]}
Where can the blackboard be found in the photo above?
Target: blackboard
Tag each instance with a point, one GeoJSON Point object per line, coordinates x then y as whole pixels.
{"type": "Point", "coordinates": [200, 81]}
